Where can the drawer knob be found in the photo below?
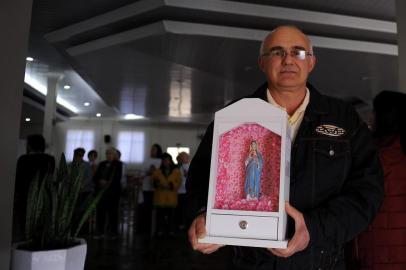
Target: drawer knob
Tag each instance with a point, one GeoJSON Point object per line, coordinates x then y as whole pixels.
{"type": "Point", "coordinates": [243, 224]}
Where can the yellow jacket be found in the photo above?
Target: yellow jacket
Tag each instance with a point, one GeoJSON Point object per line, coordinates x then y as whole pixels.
{"type": "Point", "coordinates": [166, 188]}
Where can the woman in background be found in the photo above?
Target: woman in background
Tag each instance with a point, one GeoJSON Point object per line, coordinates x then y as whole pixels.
{"type": "Point", "coordinates": [166, 181]}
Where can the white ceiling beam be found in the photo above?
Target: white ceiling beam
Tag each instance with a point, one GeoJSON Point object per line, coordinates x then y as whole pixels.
{"type": "Point", "coordinates": [117, 39]}
{"type": "Point", "coordinates": [184, 28]}
{"type": "Point", "coordinates": [117, 15]}
{"type": "Point", "coordinates": [289, 14]}
{"type": "Point", "coordinates": [225, 8]}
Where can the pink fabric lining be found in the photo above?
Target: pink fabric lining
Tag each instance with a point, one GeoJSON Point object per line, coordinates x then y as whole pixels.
{"type": "Point", "coordinates": [233, 149]}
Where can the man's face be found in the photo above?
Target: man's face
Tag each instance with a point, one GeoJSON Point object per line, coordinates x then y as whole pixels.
{"type": "Point", "coordinates": [154, 152]}
{"type": "Point", "coordinates": [92, 157]}
{"type": "Point", "coordinates": [110, 155]}
{"type": "Point", "coordinates": [287, 72]}
{"type": "Point", "coordinates": [184, 158]}
{"type": "Point", "coordinates": [79, 157]}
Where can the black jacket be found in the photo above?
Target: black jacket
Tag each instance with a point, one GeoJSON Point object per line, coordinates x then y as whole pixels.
{"type": "Point", "coordinates": [28, 166]}
{"type": "Point", "coordinates": [336, 182]}
{"type": "Point", "coordinates": [111, 171]}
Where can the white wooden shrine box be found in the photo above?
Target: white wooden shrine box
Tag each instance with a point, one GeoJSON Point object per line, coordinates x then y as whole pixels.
{"type": "Point", "coordinates": [235, 214]}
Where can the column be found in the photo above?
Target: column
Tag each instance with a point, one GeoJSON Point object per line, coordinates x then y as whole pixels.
{"type": "Point", "coordinates": [15, 17]}
{"type": "Point", "coordinates": [401, 27]}
{"type": "Point", "coordinates": [50, 108]}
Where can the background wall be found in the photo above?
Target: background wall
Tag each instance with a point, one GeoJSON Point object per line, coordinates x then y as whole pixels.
{"type": "Point", "coordinates": [163, 134]}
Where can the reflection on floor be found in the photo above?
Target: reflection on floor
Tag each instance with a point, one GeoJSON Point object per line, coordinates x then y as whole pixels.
{"type": "Point", "coordinates": [135, 250]}
{"type": "Point", "coordinates": [144, 252]}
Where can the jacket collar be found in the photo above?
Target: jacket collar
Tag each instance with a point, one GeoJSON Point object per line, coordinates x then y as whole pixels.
{"type": "Point", "coordinates": [317, 103]}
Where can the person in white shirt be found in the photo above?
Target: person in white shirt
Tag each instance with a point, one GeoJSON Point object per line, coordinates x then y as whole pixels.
{"type": "Point", "coordinates": [150, 165]}
{"type": "Point", "coordinates": [183, 165]}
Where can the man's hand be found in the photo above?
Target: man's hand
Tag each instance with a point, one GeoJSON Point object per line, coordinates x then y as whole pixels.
{"type": "Point", "coordinates": [300, 239]}
{"type": "Point", "coordinates": [198, 230]}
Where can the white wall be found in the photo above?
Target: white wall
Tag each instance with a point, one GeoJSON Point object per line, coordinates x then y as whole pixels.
{"type": "Point", "coordinates": [164, 134]}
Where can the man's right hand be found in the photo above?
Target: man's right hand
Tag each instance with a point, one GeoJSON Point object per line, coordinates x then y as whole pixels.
{"type": "Point", "coordinates": [198, 230]}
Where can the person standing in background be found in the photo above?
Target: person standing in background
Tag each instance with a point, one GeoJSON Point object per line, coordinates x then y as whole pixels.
{"type": "Point", "coordinates": [183, 165]}
{"type": "Point", "coordinates": [150, 165]}
{"type": "Point", "coordinates": [381, 245]}
{"type": "Point", "coordinates": [123, 180]}
{"type": "Point", "coordinates": [92, 157]}
{"type": "Point", "coordinates": [87, 183]}
{"type": "Point", "coordinates": [166, 180]}
{"type": "Point", "coordinates": [35, 162]}
{"type": "Point", "coordinates": [108, 178]}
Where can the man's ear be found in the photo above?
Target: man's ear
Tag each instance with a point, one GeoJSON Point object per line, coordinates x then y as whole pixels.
{"type": "Point", "coordinates": [312, 63]}
{"type": "Point", "coordinates": [261, 63]}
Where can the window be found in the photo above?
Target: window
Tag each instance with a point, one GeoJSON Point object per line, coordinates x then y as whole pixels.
{"type": "Point", "coordinates": [78, 138]}
{"type": "Point", "coordinates": [131, 146]}
{"type": "Point", "coordinates": [174, 151]}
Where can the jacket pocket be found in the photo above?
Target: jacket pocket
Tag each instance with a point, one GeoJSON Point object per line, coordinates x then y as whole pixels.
{"type": "Point", "coordinates": [328, 258]}
{"type": "Point", "coordinates": [330, 166]}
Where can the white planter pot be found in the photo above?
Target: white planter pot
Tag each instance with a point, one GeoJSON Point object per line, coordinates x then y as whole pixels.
{"type": "Point", "coordinates": [61, 259]}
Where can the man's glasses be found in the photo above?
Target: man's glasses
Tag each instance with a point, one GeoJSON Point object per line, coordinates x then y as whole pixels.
{"type": "Point", "coordinates": [279, 53]}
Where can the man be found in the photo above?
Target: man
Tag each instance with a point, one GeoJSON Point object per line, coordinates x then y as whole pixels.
{"type": "Point", "coordinates": [92, 157]}
{"type": "Point", "coordinates": [34, 163]}
{"type": "Point", "coordinates": [336, 183]}
{"type": "Point", "coordinates": [87, 188]}
{"type": "Point", "coordinates": [123, 180]}
{"type": "Point", "coordinates": [87, 185]}
{"type": "Point", "coordinates": [108, 178]}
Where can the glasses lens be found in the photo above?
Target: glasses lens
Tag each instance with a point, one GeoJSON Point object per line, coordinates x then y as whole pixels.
{"type": "Point", "coordinates": [277, 53]}
{"type": "Point", "coordinates": [298, 54]}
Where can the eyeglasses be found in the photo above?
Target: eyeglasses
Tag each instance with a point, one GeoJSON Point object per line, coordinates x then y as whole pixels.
{"type": "Point", "coordinates": [279, 53]}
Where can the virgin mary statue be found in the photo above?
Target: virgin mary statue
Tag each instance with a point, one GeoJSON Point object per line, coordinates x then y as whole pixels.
{"type": "Point", "coordinates": [253, 169]}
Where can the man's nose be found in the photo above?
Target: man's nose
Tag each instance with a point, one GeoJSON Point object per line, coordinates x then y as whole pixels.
{"type": "Point", "coordinates": [288, 58]}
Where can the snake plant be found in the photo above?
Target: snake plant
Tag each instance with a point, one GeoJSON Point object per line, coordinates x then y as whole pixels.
{"type": "Point", "coordinates": [54, 216]}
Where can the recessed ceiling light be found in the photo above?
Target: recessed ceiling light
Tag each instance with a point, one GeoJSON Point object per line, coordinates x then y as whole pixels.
{"type": "Point", "coordinates": [29, 59]}
{"type": "Point", "coordinates": [66, 87]}
{"type": "Point", "coordinates": [98, 114]}
{"type": "Point", "coordinates": [132, 116]}
{"type": "Point", "coordinates": [87, 104]}
{"type": "Point", "coordinates": [27, 119]}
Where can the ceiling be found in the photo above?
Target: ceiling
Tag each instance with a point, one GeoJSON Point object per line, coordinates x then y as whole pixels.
{"type": "Point", "coordinates": [181, 60]}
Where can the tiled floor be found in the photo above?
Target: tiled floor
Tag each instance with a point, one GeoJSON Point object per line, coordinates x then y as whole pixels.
{"type": "Point", "coordinates": [143, 252]}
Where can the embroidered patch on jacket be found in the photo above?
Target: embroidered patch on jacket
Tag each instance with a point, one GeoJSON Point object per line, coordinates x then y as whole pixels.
{"type": "Point", "coordinates": [330, 130]}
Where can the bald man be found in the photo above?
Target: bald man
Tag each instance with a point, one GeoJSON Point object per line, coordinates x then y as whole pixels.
{"type": "Point", "coordinates": [336, 183]}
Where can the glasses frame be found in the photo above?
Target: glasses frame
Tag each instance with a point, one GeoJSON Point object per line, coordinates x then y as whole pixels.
{"type": "Point", "coordinates": [291, 52]}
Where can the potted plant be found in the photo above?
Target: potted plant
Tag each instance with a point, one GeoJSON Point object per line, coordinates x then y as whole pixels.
{"type": "Point", "coordinates": [53, 221]}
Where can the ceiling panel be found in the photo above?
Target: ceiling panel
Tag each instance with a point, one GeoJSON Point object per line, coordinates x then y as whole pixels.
{"type": "Point", "coordinates": [185, 73]}
{"type": "Point", "coordinates": [374, 9]}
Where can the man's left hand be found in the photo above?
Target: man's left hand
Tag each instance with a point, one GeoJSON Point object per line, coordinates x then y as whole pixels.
{"type": "Point", "coordinates": [300, 239]}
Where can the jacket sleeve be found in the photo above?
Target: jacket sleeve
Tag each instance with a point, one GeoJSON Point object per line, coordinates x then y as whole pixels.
{"type": "Point", "coordinates": [197, 182]}
{"type": "Point", "coordinates": [346, 214]}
